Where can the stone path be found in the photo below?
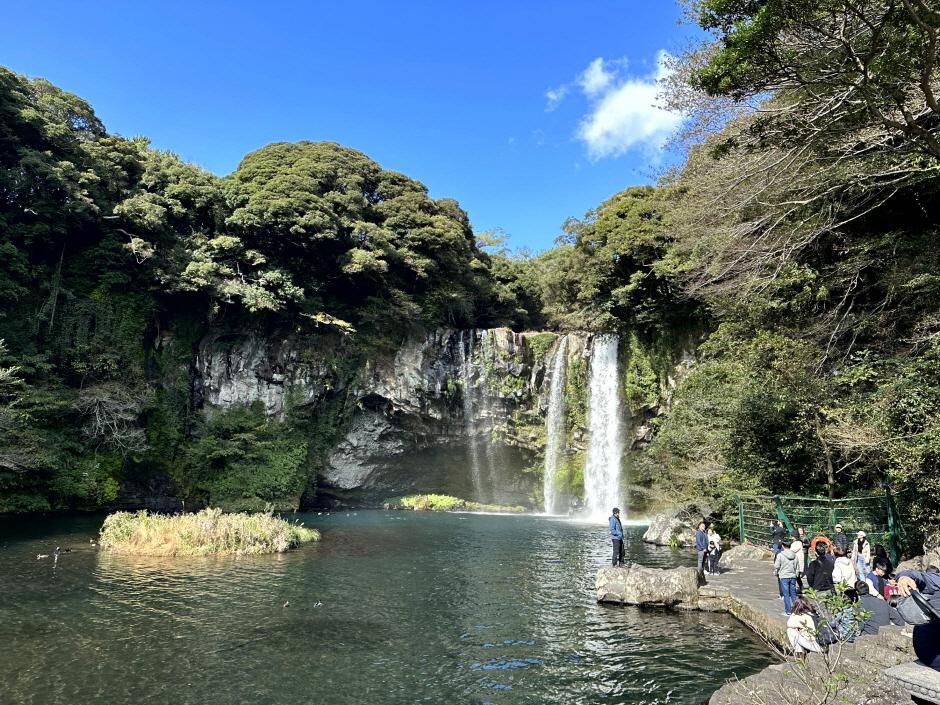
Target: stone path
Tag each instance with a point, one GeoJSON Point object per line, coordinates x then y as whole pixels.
{"type": "Point", "coordinates": [880, 668]}
{"type": "Point", "coordinates": [749, 591]}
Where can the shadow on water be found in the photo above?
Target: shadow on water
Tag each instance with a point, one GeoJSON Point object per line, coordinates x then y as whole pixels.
{"type": "Point", "coordinates": [393, 607]}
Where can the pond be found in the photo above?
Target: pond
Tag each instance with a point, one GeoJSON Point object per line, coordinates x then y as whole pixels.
{"type": "Point", "coordinates": [389, 608]}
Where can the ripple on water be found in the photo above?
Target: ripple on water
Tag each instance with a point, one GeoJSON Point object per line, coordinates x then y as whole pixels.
{"type": "Point", "coordinates": [390, 607]}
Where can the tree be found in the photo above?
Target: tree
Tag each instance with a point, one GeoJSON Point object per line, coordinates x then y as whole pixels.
{"type": "Point", "coordinates": [844, 70]}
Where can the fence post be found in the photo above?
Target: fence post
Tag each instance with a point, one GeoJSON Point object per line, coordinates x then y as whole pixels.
{"type": "Point", "coordinates": [894, 525]}
{"type": "Point", "coordinates": [740, 520]}
{"type": "Point", "coordinates": [782, 515]}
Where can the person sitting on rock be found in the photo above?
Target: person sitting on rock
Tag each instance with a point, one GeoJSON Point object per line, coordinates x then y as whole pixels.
{"type": "Point", "coordinates": [801, 628]}
{"type": "Point", "coordinates": [926, 636]}
{"type": "Point", "coordinates": [881, 552]}
{"type": "Point", "coordinates": [880, 613]}
{"type": "Point", "coordinates": [819, 572]}
{"type": "Point", "coordinates": [877, 578]}
{"type": "Point", "coordinates": [616, 536]}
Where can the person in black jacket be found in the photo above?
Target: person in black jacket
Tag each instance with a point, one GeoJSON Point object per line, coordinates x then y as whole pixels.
{"type": "Point", "coordinates": [840, 538]}
{"type": "Point", "coordinates": [819, 572]}
{"type": "Point", "coordinates": [882, 614]}
{"type": "Point", "coordinates": [778, 534]}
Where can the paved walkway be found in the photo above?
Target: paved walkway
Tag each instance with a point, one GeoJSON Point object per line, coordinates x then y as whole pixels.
{"type": "Point", "coordinates": [749, 591]}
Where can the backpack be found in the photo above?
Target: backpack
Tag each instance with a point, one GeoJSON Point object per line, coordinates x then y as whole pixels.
{"type": "Point", "coordinates": [825, 635]}
{"type": "Point", "coordinates": [918, 609]}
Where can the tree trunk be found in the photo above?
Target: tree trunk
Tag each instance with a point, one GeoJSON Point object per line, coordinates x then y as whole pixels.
{"type": "Point", "coordinates": [827, 455]}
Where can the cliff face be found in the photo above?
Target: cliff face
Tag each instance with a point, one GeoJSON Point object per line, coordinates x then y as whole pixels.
{"type": "Point", "coordinates": [403, 422]}
{"type": "Point", "coordinates": [459, 412]}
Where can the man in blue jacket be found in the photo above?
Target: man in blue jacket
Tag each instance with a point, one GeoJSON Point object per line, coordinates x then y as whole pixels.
{"type": "Point", "coordinates": [701, 546]}
{"type": "Point", "coordinates": [616, 536]}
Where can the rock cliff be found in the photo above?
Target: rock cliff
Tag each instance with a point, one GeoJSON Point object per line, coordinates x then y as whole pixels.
{"type": "Point", "coordinates": [459, 412]}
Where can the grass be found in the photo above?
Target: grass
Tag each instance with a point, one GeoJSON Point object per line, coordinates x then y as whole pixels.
{"type": "Point", "coordinates": [208, 532]}
{"type": "Point", "coordinates": [446, 503]}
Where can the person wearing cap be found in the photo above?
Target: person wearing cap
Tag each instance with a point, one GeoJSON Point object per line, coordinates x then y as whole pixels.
{"type": "Point", "coordinates": [616, 536]}
{"type": "Point", "coordinates": [841, 539]}
{"type": "Point", "coordinates": [861, 555]}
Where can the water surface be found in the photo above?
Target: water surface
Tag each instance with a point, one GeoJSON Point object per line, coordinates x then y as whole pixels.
{"type": "Point", "coordinates": [390, 608]}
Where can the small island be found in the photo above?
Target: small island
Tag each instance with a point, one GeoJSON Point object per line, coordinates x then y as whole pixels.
{"type": "Point", "coordinates": [205, 533]}
{"type": "Point", "coordinates": [446, 503]}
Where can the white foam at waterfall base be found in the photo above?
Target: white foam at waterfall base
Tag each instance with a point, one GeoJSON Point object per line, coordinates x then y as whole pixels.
{"type": "Point", "coordinates": [555, 429]}
{"type": "Point", "coordinates": [605, 447]}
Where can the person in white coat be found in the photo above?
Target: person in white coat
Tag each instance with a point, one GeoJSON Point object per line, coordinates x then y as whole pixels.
{"type": "Point", "coordinates": [842, 570]}
{"type": "Point", "coordinates": [801, 628]}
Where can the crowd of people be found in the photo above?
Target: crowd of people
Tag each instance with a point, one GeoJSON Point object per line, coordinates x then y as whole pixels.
{"type": "Point", "coordinates": [864, 576]}
{"type": "Point", "coordinates": [870, 594]}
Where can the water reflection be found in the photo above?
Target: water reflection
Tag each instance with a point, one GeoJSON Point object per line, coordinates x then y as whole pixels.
{"type": "Point", "coordinates": [393, 607]}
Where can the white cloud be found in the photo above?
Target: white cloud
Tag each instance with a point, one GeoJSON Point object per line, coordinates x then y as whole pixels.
{"type": "Point", "coordinates": [595, 79]}
{"type": "Point", "coordinates": [554, 96]}
{"type": "Point", "coordinates": [627, 113]}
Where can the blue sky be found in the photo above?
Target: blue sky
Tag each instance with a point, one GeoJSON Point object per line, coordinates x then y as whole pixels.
{"type": "Point", "coordinates": [525, 112]}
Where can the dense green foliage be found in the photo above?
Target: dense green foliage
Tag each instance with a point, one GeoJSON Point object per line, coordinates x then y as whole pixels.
{"type": "Point", "coordinates": [115, 259]}
{"type": "Point", "coordinates": [797, 249]}
{"type": "Point", "coordinates": [812, 243]}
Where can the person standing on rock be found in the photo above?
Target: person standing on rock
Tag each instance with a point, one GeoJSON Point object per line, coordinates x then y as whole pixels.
{"type": "Point", "coordinates": [799, 534]}
{"type": "Point", "coordinates": [714, 550]}
{"type": "Point", "coordinates": [819, 572]}
{"type": "Point", "coordinates": [787, 568]}
{"type": "Point", "coordinates": [841, 539]}
{"type": "Point", "coordinates": [701, 547]}
{"type": "Point", "coordinates": [778, 534]}
{"type": "Point", "coordinates": [616, 536]}
{"type": "Point", "coordinates": [861, 555]}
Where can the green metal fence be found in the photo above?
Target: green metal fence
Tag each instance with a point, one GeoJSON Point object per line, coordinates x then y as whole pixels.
{"type": "Point", "coordinates": [875, 515]}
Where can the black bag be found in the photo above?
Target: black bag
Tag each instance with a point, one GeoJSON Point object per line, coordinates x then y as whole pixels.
{"type": "Point", "coordinates": [825, 634]}
{"type": "Point", "coordinates": [917, 609]}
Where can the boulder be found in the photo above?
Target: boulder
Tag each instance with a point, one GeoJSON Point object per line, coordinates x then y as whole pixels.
{"type": "Point", "coordinates": [637, 585]}
{"type": "Point", "coordinates": [669, 524]}
{"type": "Point", "coordinates": [931, 557]}
{"type": "Point", "coordinates": [744, 552]}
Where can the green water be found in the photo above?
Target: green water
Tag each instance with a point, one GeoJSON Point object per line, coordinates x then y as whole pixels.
{"type": "Point", "coordinates": [391, 607]}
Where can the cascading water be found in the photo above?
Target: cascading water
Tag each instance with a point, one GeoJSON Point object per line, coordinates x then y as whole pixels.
{"type": "Point", "coordinates": [555, 428]}
{"type": "Point", "coordinates": [602, 469]}
{"type": "Point", "coordinates": [468, 392]}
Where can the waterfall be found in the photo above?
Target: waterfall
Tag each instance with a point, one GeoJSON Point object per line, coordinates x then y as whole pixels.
{"type": "Point", "coordinates": [468, 392]}
{"type": "Point", "coordinates": [602, 470]}
{"type": "Point", "coordinates": [555, 428]}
